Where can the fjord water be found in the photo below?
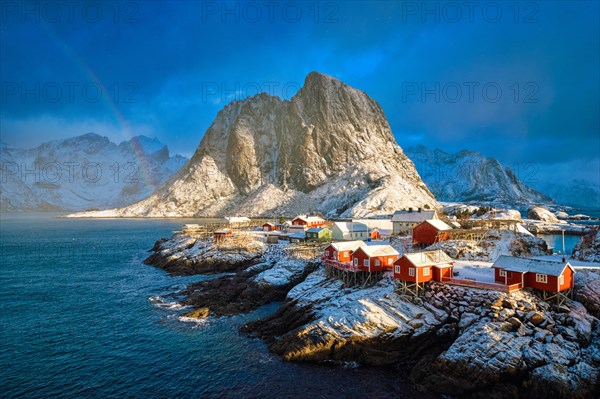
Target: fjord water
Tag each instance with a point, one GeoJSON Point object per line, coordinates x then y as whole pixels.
{"type": "Point", "coordinates": [76, 322]}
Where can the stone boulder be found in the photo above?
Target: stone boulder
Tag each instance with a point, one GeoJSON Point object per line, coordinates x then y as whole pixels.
{"type": "Point", "coordinates": [543, 214]}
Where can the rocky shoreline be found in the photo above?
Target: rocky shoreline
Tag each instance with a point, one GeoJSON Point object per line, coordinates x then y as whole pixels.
{"type": "Point", "coordinates": [451, 341]}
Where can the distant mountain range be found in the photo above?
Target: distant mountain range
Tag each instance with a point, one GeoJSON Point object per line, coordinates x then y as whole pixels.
{"type": "Point", "coordinates": [576, 193]}
{"type": "Point", "coordinates": [83, 172]}
{"type": "Point", "coordinates": [470, 176]}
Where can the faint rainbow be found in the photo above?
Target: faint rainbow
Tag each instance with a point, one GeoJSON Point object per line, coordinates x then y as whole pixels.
{"type": "Point", "coordinates": [107, 100]}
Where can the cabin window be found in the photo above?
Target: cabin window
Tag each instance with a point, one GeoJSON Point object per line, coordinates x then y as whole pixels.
{"type": "Point", "coordinates": [355, 261]}
{"type": "Point", "coordinates": [541, 278]}
{"type": "Point", "coordinates": [426, 271]}
{"type": "Point", "coordinates": [390, 261]}
{"type": "Point", "coordinates": [561, 280]}
{"type": "Point", "coordinates": [377, 262]}
{"type": "Point", "coordinates": [411, 272]}
{"type": "Point", "coordinates": [326, 254]}
{"type": "Point", "coordinates": [502, 273]}
{"type": "Point", "coordinates": [335, 255]}
{"type": "Point", "coordinates": [397, 269]}
{"type": "Point", "coordinates": [366, 263]}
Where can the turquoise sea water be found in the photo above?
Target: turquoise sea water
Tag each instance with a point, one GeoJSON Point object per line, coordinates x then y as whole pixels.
{"type": "Point", "coordinates": [76, 322]}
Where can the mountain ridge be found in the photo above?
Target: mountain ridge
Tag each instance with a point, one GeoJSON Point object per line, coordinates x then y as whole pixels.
{"type": "Point", "coordinates": [470, 176]}
{"type": "Point", "coordinates": [83, 172]}
{"type": "Point", "coordinates": [328, 148]}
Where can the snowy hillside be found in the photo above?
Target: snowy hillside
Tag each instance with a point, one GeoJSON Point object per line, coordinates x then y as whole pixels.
{"type": "Point", "coordinates": [83, 172]}
{"type": "Point", "coordinates": [329, 148]}
{"type": "Point", "coordinates": [470, 176]}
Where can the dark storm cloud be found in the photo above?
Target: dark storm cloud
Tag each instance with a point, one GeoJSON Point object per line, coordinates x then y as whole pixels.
{"type": "Point", "coordinates": [166, 69]}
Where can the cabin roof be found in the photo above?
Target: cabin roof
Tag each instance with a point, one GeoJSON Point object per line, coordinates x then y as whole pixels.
{"type": "Point", "coordinates": [379, 250]}
{"type": "Point", "coordinates": [316, 229]}
{"type": "Point", "coordinates": [347, 227]}
{"type": "Point", "coordinates": [309, 218]}
{"type": "Point", "coordinates": [523, 265]}
{"type": "Point", "coordinates": [298, 234]}
{"type": "Point", "coordinates": [438, 224]}
{"type": "Point", "coordinates": [429, 258]}
{"type": "Point", "coordinates": [347, 245]}
{"type": "Point", "coordinates": [414, 216]}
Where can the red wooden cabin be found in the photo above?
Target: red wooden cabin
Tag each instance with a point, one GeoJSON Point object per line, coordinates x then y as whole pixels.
{"type": "Point", "coordinates": [341, 251]}
{"type": "Point", "coordinates": [271, 226]}
{"type": "Point", "coordinates": [375, 258]}
{"type": "Point", "coordinates": [375, 234]}
{"type": "Point", "coordinates": [534, 273]}
{"type": "Point", "coordinates": [421, 267]}
{"type": "Point", "coordinates": [308, 221]}
{"type": "Point", "coordinates": [430, 231]}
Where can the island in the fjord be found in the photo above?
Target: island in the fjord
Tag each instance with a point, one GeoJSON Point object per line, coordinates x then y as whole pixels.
{"type": "Point", "coordinates": [369, 266]}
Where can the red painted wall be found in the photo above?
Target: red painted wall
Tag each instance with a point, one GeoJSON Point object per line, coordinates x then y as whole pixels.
{"type": "Point", "coordinates": [425, 233]}
{"type": "Point", "coordinates": [530, 280]}
{"type": "Point", "coordinates": [405, 265]}
{"type": "Point", "coordinates": [268, 227]}
{"type": "Point", "coordinates": [342, 256]}
{"type": "Point", "coordinates": [383, 261]}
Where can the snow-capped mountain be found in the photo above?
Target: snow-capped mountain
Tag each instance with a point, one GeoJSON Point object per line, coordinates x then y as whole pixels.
{"type": "Point", "coordinates": [83, 172]}
{"type": "Point", "coordinates": [469, 176]}
{"type": "Point", "coordinates": [329, 148]}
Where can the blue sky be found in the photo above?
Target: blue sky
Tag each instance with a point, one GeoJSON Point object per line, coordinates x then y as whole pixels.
{"type": "Point", "coordinates": [516, 81]}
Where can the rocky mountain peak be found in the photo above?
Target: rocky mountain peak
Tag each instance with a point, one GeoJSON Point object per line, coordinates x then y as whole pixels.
{"type": "Point", "coordinates": [329, 148]}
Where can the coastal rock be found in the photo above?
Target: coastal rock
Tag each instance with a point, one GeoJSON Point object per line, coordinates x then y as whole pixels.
{"type": "Point", "coordinates": [369, 326]}
{"type": "Point", "coordinates": [540, 213]}
{"type": "Point", "coordinates": [587, 290]}
{"type": "Point", "coordinates": [200, 313]}
{"type": "Point", "coordinates": [588, 249]}
{"type": "Point", "coordinates": [183, 255]}
{"type": "Point", "coordinates": [246, 290]}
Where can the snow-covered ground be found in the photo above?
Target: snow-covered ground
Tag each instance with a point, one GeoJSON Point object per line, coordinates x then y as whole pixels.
{"type": "Point", "coordinates": [477, 270]}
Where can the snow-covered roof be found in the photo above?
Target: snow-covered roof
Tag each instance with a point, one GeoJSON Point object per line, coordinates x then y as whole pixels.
{"type": "Point", "coordinates": [429, 258]}
{"type": "Point", "coordinates": [415, 216]}
{"type": "Point", "coordinates": [348, 245]}
{"type": "Point", "coordinates": [438, 224]}
{"type": "Point", "coordinates": [315, 229]}
{"type": "Point", "coordinates": [379, 250]}
{"type": "Point", "coordinates": [376, 223]}
{"type": "Point", "coordinates": [522, 265]}
{"type": "Point", "coordinates": [347, 227]}
{"type": "Point", "coordinates": [384, 232]}
{"type": "Point", "coordinates": [309, 218]}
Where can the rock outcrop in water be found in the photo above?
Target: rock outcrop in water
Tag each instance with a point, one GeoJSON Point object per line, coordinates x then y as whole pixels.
{"type": "Point", "coordinates": [329, 148]}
